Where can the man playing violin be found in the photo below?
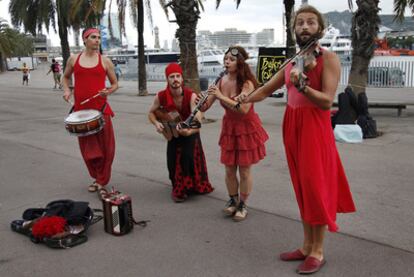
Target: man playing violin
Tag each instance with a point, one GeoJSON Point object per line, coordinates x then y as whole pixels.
{"type": "Point", "coordinates": [90, 70]}
{"type": "Point", "coordinates": [317, 174]}
{"type": "Point", "coordinates": [185, 156]}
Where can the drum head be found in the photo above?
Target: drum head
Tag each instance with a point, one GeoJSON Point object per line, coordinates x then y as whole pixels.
{"type": "Point", "coordinates": [82, 116]}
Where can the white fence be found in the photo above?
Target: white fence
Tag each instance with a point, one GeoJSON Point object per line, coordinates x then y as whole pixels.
{"type": "Point", "coordinates": [385, 71]}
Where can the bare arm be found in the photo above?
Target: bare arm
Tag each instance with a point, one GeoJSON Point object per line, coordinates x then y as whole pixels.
{"type": "Point", "coordinates": [330, 79]}
{"type": "Point", "coordinates": [276, 82]}
{"type": "Point", "coordinates": [208, 103]}
{"type": "Point", "coordinates": [67, 93]}
{"type": "Point", "coordinates": [151, 115]}
{"type": "Point", "coordinates": [110, 72]}
{"type": "Point", "coordinates": [231, 103]}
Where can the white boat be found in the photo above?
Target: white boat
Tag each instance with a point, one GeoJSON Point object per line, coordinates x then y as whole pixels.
{"type": "Point", "coordinates": [210, 57]}
{"type": "Point", "coordinates": [335, 42]}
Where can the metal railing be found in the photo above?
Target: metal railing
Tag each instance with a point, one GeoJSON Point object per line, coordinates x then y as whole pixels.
{"type": "Point", "coordinates": [385, 72]}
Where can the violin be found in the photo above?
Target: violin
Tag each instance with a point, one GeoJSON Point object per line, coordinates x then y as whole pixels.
{"type": "Point", "coordinates": [304, 62]}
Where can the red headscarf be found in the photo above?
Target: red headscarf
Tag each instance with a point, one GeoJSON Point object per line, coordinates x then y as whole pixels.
{"type": "Point", "coordinates": [170, 69]}
{"type": "Point", "coordinates": [89, 31]}
{"type": "Point", "coordinates": [173, 68]}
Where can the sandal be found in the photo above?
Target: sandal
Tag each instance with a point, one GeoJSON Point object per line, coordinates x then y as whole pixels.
{"type": "Point", "coordinates": [102, 192]}
{"type": "Point", "coordinates": [93, 187]}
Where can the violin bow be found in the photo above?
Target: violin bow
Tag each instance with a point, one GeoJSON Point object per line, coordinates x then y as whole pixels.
{"type": "Point", "coordinates": [307, 46]}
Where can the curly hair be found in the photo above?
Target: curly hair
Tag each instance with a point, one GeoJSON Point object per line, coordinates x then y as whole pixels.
{"type": "Point", "coordinates": [244, 73]}
{"type": "Point", "coordinates": [310, 9]}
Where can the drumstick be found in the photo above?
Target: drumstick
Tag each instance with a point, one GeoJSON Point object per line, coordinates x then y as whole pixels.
{"type": "Point", "coordinates": [90, 98]}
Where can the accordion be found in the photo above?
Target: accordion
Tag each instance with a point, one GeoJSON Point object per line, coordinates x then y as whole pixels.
{"type": "Point", "coordinates": [117, 209]}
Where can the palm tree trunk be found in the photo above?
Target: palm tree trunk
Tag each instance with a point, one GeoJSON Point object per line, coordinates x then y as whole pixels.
{"type": "Point", "coordinates": [63, 35]}
{"type": "Point", "coordinates": [290, 42]}
{"type": "Point", "coordinates": [187, 14]}
{"type": "Point", "coordinates": [365, 25]}
{"type": "Point", "coordinates": [142, 74]}
{"type": "Point", "coordinates": [2, 67]}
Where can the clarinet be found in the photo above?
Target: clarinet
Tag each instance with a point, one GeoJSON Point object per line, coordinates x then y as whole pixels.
{"type": "Point", "coordinates": [188, 123]}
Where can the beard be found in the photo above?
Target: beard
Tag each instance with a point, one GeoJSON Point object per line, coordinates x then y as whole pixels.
{"type": "Point", "coordinates": [175, 85]}
{"type": "Point", "coordinates": [303, 42]}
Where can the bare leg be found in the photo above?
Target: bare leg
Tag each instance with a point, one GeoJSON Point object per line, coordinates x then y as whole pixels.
{"type": "Point", "coordinates": [307, 239]}
{"type": "Point", "coordinates": [231, 180]}
{"type": "Point", "coordinates": [246, 181]}
{"type": "Point", "coordinates": [318, 234]}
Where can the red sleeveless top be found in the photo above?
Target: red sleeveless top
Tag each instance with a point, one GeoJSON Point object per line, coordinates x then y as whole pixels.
{"type": "Point", "coordinates": [88, 82]}
{"type": "Point", "coordinates": [167, 102]}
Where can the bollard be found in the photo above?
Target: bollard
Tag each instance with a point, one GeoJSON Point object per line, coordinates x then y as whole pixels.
{"type": "Point", "coordinates": [203, 84]}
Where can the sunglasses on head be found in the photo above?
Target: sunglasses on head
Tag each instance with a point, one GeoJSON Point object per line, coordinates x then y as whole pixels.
{"type": "Point", "coordinates": [233, 51]}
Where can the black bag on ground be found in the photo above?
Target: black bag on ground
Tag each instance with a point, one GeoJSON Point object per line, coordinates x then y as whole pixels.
{"type": "Point", "coordinates": [365, 121]}
{"type": "Point", "coordinates": [346, 108]}
{"type": "Point", "coordinates": [77, 215]}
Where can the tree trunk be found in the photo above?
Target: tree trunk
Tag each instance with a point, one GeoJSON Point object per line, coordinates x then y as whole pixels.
{"type": "Point", "coordinates": [63, 35]}
{"type": "Point", "coordinates": [2, 63]}
{"type": "Point", "coordinates": [365, 24]}
{"type": "Point", "coordinates": [290, 42]}
{"type": "Point", "coordinates": [187, 14]}
{"type": "Point", "coordinates": [142, 74]}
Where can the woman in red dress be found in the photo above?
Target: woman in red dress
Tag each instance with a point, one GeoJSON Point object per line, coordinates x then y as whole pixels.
{"type": "Point", "coordinates": [242, 135]}
{"type": "Point", "coordinates": [317, 174]}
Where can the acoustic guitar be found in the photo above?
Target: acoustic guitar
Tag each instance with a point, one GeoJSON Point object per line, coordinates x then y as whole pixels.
{"type": "Point", "coordinates": [169, 120]}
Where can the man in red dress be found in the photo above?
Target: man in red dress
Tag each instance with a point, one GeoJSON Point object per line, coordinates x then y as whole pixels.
{"type": "Point", "coordinates": [185, 157]}
{"type": "Point", "coordinates": [317, 174]}
{"type": "Point", "coordinates": [90, 70]}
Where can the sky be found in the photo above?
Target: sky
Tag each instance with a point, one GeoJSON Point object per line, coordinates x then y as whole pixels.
{"type": "Point", "coordinates": [132, 36]}
{"type": "Point", "coordinates": [251, 16]}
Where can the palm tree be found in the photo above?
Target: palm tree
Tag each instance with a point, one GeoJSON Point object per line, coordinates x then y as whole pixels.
{"type": "Point", "coordinates": [34, 14]}
{"type": "Point", "coordinates": [13, 43]}
{"type": "Point", "coordinates": [142, 74]}
{"type": "Point", "coordinates": [187, 13]}
{"type": "Point", "coordinates": [365, 26]}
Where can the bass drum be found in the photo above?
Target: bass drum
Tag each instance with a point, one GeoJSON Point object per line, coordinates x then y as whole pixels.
{"type": "Point", "coordinates": [84, 123]}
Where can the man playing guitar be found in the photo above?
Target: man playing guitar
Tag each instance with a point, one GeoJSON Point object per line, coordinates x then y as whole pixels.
{"type": "Point", "coordinates": [185, 156]}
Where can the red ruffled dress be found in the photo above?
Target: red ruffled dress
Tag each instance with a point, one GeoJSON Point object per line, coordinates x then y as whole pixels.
{"type": "Point", "coordinates": [317, 174]}
{"type": "Point", "coordinates": [242, 138]}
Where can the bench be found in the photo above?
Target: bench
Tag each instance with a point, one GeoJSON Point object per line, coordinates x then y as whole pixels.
{"type": "Point", "coordinates": [384, 105]}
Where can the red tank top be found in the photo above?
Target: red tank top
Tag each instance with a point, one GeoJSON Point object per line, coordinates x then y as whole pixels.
{"type": "Point", "coordinates": [88, 82]}
{"type": "Point", "coordinates": [296, 98]}
{"type": "Point", "coordinates": [170, 106]}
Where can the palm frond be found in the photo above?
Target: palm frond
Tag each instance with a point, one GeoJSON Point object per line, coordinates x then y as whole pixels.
{"type": "Point", "coordinates": [351, 5]}
{"type": "Point", "coordinates": [149, 14]}
{"type": "Point", "coordinates": [399, 9]}
{"type": "Point", "coordinates": [164, 6]}
{"type": "Point", "coordinates": [200, 4]}
{"type": "Point", "coordinates": [218, 4]}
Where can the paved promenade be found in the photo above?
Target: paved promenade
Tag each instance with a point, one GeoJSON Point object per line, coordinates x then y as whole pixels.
{"type": "Point", "coordinates": [40, 162]}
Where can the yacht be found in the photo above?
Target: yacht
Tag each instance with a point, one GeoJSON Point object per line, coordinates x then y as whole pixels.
{"type": "Point", "coordinates": [335, 42]}
{"type": "Point", "coordinates": [152, 56]}
{"type": "Point", "coordinates": [210, 57]}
